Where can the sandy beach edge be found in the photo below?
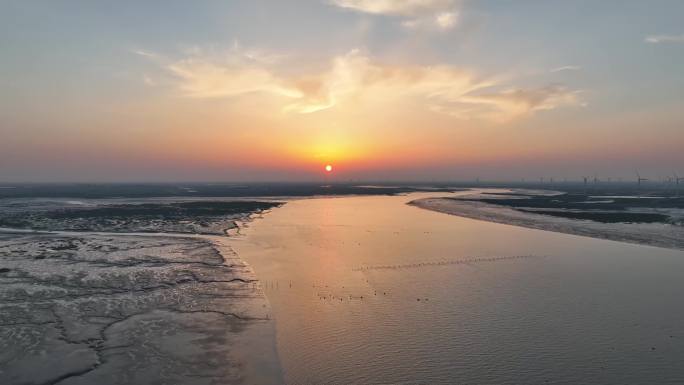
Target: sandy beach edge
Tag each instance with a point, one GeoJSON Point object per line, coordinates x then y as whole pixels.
{"type": "Point", "coordinates": [657, 235]}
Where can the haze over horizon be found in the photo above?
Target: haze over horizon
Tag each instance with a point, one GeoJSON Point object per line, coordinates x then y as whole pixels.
{"type": "Point", "coordinates": [92, 91]}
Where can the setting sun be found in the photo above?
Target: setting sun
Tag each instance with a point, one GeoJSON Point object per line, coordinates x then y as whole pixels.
{"type": "Point", "coordinates": [328, 168]}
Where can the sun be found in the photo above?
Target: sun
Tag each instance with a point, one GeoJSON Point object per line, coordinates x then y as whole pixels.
{"type": "Point", "coordinates": [328, 168]}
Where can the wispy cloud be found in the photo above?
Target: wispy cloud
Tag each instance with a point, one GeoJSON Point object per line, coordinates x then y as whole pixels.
{"type": "Point", "coordinates": [355, 76]}
{"type": "Point", "coordinates": [201, 78]}
{"type": "Point", "coordinates": [658, 39]}
{"type": "Point", "coordinates": [144, 53]}
{"type": "Point", "coordinates": [148, 81]}
{"type": "Point", "coordinates": [446, 19]}
{"type": "Point", "coordinates": [441, 21]}
{"type": "Point", "coordinates": [516, 102]}
{"type": "Point", "coordinates": [565, 68]}
{"type": "Point", "coordinates": [396, 7]}
{"type": "Point", "coordinates": [355, 79]}
{"type": "Point", "coordinates": [440, 14]}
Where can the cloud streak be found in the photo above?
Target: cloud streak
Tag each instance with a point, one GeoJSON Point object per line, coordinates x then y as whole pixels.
{"type": "Point", "coordinates": [355, 80]}
{"type": "Point", "coordinates": [144, 53]}
{"type": "Point", "coordinates": [658, 39]}
{"type": "Point", "coordinates": [517, 102]}
{"type": "Point", "coordinates": [395, 7]}
{"type": "Point", "coordinates": [566, 68]}
{"type": "Point", "coordinates": [440, 14]}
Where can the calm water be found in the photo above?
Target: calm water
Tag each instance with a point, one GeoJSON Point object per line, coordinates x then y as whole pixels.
{"type": "Point", "coordinates": [580, 310]}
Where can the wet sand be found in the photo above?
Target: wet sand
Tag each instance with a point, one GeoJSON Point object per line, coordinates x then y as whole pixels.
{"type": "Point", "coordinates": [653, 234]}
{"type": "Point", "coordinates": [110, 308]}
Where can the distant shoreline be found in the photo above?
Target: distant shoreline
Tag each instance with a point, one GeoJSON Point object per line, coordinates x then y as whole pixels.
{"type": "Point", "coordinates": [658, 235]}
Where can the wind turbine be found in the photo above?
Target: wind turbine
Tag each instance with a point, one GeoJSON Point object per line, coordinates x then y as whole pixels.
{"type": "Point", "coordinates": [640, 179]}
{"type": "Point", "coordinates": [676, 178]}
{"type": "Point", "coordinates": [586, 180]}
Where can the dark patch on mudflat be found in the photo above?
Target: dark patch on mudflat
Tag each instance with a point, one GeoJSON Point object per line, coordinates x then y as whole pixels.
{"type": "Point", "coordinates": [196, 217]}
{"type": "Point", "coordinates": [605, 217]}
{"type": "Point", "coordinates": [180, 210]}
{"type": "Point", "coordinates": [583, 206]}
{"type": "Point", "coordinates": [581, 202]}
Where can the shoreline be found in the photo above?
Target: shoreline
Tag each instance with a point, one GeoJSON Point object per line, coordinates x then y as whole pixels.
{"type": "Point", "coordinates": [244, 322]}
{"type": "Point", "coordinates": [656, 235]}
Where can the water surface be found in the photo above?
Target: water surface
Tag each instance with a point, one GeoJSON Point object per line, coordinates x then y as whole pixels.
{"type": "Point", "coordinates": [361, 294]}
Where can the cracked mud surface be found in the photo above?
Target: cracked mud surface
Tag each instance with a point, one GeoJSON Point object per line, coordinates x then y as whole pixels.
{"type": "Point", "coordinates": [128, 310]}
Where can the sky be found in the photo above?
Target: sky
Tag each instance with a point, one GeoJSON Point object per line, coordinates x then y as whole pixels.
{"type": "Point", "coordinates": [255, 90]}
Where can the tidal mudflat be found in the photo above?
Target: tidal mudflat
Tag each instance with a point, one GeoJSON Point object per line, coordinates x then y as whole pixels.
{"type": "Point", "coordinates": [370, 290]}
{"type": "Point", "coordinates": [83, 307]}
{"type": "Point", "coordinates": [642, 219]}
{"type": "Point", "coordinates": [153, 215]}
